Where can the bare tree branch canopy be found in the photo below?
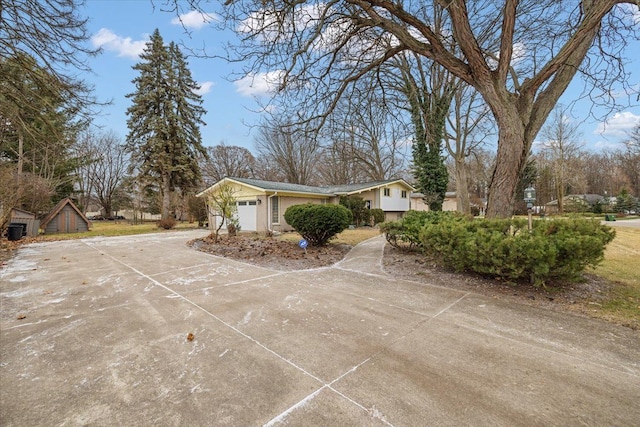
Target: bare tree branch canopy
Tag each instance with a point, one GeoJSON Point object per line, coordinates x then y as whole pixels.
{"type": "Point", "coordinates": [562, 145]}
{"type": "Point", "coordinates": [226, 161]}
{"type": "Point", "coordinates": [519, 55]}
{"type": "Point", "coordinates": [294, 150]}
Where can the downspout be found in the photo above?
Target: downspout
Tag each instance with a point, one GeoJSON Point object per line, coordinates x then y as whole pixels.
{"type": "Point", "coordinates": [269, 211]}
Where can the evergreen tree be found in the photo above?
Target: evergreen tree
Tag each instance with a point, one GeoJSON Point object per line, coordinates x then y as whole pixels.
{"type": "Point", "coordinates": [164, 136]}
{"type": "Point", "coordinates": [429, 114]}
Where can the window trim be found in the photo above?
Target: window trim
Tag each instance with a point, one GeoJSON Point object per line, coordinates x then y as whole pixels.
{"type": "Point", "coordinates": [275, 209]}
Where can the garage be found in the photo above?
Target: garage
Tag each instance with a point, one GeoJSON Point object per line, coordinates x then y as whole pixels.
{"type": "Point", "coordinates": [247, 215]}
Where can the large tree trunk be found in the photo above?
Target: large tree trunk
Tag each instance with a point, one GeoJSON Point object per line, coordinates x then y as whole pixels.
{"type": "Point", "coordinates": [165, 212]}
{"type": "Point", "coordinates": [511, 158]}
{"type": "Point", "coordinates": [462, 188]}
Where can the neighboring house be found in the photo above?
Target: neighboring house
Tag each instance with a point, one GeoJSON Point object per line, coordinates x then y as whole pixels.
{"type": "Point", "coordinates": [449, 204]}
{"type": "Point", "coordinates": [65, 218]}
{"type": "Point", "coordinates": [262, 204]}
{"type": "Point", "coordinates": [574, 203]}
{"type": "Point", "coordinates": [27, 219]}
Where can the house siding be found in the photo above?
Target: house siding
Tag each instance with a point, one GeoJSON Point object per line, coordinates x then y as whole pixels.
{"type": "Point", "coordinates": [394, 202]}
{"type": "Point", "coordinates": [288, 195]}
{"type": "Point", "coordinates": [286, 202]}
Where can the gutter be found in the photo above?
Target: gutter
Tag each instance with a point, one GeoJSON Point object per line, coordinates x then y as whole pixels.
{"type": "Point", "coordinates": [269, 211]}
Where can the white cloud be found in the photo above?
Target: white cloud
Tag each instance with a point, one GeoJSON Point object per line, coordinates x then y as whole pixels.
{"type": "Point", "coordinates": [517, 56]}
{"type": "Point", "coordinates": [618, 126]}
{"type": "Point", "coordinates": [205, 87]}
{"type": "Point", "coordinates": [258, 84]}
{"type": "Point", "coordinates": [195, 19]}
{"type": "Point", "coordinates": [123, 46]}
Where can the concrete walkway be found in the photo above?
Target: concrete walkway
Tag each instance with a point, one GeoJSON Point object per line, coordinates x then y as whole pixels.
{"type": "Point", "coordinates": [95, 332]}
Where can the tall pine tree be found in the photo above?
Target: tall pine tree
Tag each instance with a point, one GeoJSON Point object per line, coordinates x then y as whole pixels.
{"type": "Point", "coordinates": [164, 137]}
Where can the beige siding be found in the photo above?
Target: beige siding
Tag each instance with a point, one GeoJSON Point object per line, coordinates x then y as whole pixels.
{"type": "Point", "coordinates": [286, 202]}
{"type": "Point", "coordinates": [450, 204]}
{"type": "Point", "coordinates": [417, 204]}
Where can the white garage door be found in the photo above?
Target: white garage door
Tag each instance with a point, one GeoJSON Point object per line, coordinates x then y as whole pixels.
{"type": "Point", "coordinates": [247, 215]}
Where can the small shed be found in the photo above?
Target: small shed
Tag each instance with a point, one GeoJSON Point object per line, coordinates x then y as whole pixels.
{"type": "Point", "coordinates": [65, 218]}
{"type": "Point", "coordinates": [27, 219]}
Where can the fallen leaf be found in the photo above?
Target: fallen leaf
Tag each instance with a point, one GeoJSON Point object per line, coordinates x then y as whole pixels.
{"type": "Point", "coordinates": [21, 316]}
{"type": "Point", "coordinates": [190, 336]}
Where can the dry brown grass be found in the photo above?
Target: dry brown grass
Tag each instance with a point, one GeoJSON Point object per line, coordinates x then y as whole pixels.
{"type": "Point", "coordinates": [347, 237]}
{"type": "Point", "coordinates": [621, 266]}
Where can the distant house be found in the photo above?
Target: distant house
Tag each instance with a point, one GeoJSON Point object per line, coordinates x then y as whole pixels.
{"type": "Point", "coordinates": [262, 204]}
{"type": "Point", "coordinates": [65, 218]}
{"type": "Point", "coordinates": [574, 203]}
{"type": "Point", "coordinates": [449, 203]}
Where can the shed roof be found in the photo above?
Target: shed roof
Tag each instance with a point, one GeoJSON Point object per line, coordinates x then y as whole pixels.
{"type": "Point", "coordinates": [21, 213]}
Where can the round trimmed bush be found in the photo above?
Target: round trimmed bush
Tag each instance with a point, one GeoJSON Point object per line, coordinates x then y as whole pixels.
{"type": "Point", "coordinates": [318, 223]}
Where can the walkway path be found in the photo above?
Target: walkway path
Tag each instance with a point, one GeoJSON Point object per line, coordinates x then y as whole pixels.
{"type": "Point", "coordinates": [365, 257]}
{"type": "Point", "coordinates": [96, 332]}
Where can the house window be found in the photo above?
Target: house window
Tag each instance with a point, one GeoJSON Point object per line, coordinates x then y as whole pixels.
{"type": "Point", "coordinates": [387, 192]}
{"type": "Point", "coordinates": [252, 203]}
{"type": "Point", "coordinates": [242, 203]}
{"type": "Point", "coordinates": [275, 210]}
{"type": "Point", "coordinates": [403, 194]}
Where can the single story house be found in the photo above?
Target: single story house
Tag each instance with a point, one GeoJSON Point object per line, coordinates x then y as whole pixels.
{"type": "Point", "coordinates": [65, 218]}
{"type": "Point", "coordinates": [574, 203]}
{"type": "Point", "coordinates": [262, 204]}
{"type": "Point", "coordinates": [449, 203]}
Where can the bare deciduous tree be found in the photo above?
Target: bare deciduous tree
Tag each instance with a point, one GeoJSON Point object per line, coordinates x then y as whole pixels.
{"type": "Point", "coordinates": [294, 151]}
{"type": "Point", "coordinates": [101, 170]}
{"type": "Point", "coordinates": [367, 137]}
{"type": "Point", "coordinates": [520, 56]}
{"type": "Point", "coordinates": [562, 146]}
{"type": "Point", "coordinates": [467, 130]}
{"type": "Point", "coordinates": [226, 161]}
{"type": "Point", "coordinates": [628, 160]}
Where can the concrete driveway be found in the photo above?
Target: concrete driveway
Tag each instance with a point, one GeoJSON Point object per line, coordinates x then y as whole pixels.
{"type": "Point", "coordinates": [94, 332]}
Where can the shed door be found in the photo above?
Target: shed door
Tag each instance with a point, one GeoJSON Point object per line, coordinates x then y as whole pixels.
{"type": "Point", "coordinates": [248, 215]}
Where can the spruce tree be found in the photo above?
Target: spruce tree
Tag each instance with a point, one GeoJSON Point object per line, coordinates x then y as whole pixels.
{"type": "Point", "coordinates": [164, 137]}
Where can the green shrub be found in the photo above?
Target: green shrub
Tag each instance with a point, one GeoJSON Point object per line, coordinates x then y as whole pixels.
{"type": "Point", "coordinates": [358, 207]}
{"type": "Point", "coordinates": [405, 233]}
{"type": "Point", "coordinates": [557, 249]}
{"type": "Point", "coordinates": [167, 224]}
{"type": "Point", "coordinates": [378, 215]}
{"type": "Point", "coordinates": [318, 223]}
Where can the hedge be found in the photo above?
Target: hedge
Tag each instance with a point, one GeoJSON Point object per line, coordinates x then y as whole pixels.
{"type": "Point", "coordinates": [318, 223]}
{"type": "Point", "coordinates": [504, 248]}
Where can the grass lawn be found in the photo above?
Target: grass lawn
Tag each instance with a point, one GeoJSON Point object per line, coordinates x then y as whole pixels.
{"type": "Point", "coordinates": [117, 228]}
{"type": "Point", "coordinates": [620, 266]}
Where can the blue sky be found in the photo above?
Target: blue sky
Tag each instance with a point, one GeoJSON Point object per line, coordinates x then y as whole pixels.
{"type": "Point", "coordinates": [121, 28]}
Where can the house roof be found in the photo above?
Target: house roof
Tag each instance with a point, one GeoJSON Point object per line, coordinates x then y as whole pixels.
{"type": "Point", "coordinates": [280, 186]}
{"type": "Point", "coordinates": [56, 210]}
{"type": "Point", "coordinates": [349, 189]}
{"type": "Point", "coordinates": [328, 191]}
{"type": "Point", "coordinates": [588, 198]}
